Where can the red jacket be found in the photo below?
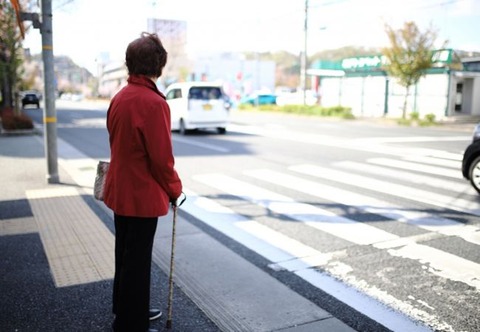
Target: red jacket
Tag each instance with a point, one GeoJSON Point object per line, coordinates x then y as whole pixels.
{"type": "Point", "coordinates": [141, 179]}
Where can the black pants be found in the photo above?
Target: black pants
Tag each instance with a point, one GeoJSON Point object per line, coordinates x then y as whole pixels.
{"type": "Point", "coordinates": [133, 259]}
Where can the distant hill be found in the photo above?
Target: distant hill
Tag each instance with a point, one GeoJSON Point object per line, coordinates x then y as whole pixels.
{"type": "Point", "coordinates": [288, 64]}
{"type": "Point", "coordinates": [70, 77]}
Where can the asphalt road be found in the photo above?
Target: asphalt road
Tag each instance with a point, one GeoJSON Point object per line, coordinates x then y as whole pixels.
{"type": "Point", "coordinates": [381, 210]}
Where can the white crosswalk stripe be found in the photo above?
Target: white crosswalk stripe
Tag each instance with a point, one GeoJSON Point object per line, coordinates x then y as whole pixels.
{"type": "Point", "coordinates": [454, 164]}
{"type": "Point", "coordinates": [442, 263]}
{"type": "Point", "coordinates": [407, 192]}
{"type": "Point", "coordinates": [402, 175]}
{"type": "Point", "coordinates": [454, 174]}
{"type": "Point", "coordinates": [420, 219]}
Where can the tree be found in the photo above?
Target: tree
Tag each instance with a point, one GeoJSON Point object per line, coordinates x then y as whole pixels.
{"type": "Point", "coordinates": [409, 55]}
{"type": "Point", "coordinates": [10, 54]}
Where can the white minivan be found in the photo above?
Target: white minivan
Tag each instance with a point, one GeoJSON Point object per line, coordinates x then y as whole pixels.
{"type": "Point", "coordinates": [197, 105]}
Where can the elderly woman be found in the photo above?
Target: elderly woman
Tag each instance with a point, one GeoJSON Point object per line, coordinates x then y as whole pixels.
{"type": "Point", "coordinates": [141, 181]}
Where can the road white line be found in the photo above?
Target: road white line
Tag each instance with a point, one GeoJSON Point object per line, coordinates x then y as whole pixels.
{"type": "Point", "coordinates": [312, 216]}
{"type": "Point", "coordinates": [423, 180]}
{"type": "Point", "coordinates": [442, 263]}
{"type": "Point", "coordinates": [455, 174]}
{"type": "Point", "coordinates": [455, 164]}
{"type": "Point", "coordinates": [362, 202]}
{"type": "Point", "coordinates": [200, 144]}
{"type": "Point", "coordinates": [423, 196]}
{"type": "Point", "coordinates": [412, 139]}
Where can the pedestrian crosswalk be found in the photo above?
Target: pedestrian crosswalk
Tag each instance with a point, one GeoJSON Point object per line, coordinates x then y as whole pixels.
{"type": "Point", "coordinates": [310, 215]}
{"type": "Point", "coordinates": [409, 208]}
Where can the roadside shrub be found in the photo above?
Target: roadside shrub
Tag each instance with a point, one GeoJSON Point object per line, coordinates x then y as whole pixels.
{"type": "Point", "coordinates": [245, 107]}
{"type": "Point", "coordinates": [404, 122]}
{"type": "Point", "coordinates": [430, 118]}
{"type": "Point", "coordinates": [11, 121]}
{"type": "Point", "coordinates": [414, 116]}
{"type": "Point", "coordinates": [267, 108]}
{"type": "Point", "coordinates": [315, 110]}
{"type": "Point", "coordinates": [347, 114]}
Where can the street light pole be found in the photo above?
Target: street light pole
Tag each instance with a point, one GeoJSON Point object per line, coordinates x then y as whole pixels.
{"type": "Point", "coordinates": [49, 112]}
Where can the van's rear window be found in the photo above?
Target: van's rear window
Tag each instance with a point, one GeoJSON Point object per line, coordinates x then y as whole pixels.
{"type": "Point", "coordinates": [205, 93]}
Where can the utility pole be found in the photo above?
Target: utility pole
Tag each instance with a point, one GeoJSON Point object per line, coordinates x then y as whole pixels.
{"type": "Point", "coordinates": [49, 113]}
{"type": "Point", "coordinates": [304, 60]}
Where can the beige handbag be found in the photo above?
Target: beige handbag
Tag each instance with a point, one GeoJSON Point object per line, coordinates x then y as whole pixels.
{"type": "Point", "coordinates": [98, 187]}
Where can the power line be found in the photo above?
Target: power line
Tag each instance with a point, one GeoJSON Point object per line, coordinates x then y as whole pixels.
{"type": "Point", "coordinates": [328, 3]}
{"type": "Point", "coordinates": [66, 2]}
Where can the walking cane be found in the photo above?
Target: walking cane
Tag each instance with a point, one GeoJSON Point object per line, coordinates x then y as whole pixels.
{"type": "Point", "coordinates": [170, 278]}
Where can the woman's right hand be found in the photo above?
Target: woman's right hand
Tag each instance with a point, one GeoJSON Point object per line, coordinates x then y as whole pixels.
{"type": "Point", "coordinates": [179, 201]}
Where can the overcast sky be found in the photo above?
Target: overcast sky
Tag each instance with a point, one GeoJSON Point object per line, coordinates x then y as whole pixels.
{"type": "Point", "coordinates": [85, 28]}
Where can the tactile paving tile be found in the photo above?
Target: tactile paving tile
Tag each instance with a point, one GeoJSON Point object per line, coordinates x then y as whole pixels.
{"type": "Point", "coordinates": [79, 247]}
{"type": "Point", "coordinates": [18, 226]}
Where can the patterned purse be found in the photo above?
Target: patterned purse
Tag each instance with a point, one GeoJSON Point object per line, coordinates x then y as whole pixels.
{"type": "Point", "coordinates": [98, 187]}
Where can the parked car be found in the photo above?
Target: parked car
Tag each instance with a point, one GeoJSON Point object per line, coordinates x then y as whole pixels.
{"type": "Point", "coordinates": [198, 105]}
{"type": "Point", "coordinates": [30, 98]}
{"type": "Point", "coordinates": [471, 160]}
{"type": "Point", "coordinates": [259, 99]}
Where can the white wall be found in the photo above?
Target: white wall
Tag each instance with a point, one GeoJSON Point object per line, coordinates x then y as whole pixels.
{"type": "Point", "coordinates": [471, 93]}
{"type": "Point", "coordinates": [331, 91]}
{"type": "Point", "coordinates": [431, 95]}
{"type": "Point", "coordinates": [373, 100]}
{"type": "Point", "coordinates": [366, 95]}
{"type": "Point", "coordinates": [476, 97]}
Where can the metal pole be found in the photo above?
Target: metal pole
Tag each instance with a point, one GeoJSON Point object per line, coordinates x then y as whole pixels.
{"type": "Point", "coordinates": [303, 75]}
{"type": "Point", "coordinates": [49, 112]}
{"type": "Point", "coordinates": [385, 104]}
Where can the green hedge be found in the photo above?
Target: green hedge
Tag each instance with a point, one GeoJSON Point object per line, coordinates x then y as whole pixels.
{"type": "Point", "coordinates": [11, 121]}
{"type": "Point", "coordinates": [336, 111]}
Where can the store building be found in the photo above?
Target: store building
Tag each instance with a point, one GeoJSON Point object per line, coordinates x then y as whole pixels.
{"type": "Point", "coordinates": [362, 84]}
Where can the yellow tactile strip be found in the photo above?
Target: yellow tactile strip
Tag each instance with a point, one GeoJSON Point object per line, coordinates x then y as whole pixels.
{"type": "Point", "coordinates": [17, 226]}
{"type": "Point", "coordinates": [79, 247]}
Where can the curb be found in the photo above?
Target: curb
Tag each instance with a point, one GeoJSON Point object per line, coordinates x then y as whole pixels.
{"type": "Point", "coordinates": [13, 132]}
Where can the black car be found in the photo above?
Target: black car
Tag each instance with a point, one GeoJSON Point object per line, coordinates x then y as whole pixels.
{"type": "Point", "coordinates": [30, 99]}
{"type": "Point", "coordinates": [471, 160]}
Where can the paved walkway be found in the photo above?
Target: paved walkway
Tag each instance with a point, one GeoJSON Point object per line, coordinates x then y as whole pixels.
{"type": "Point", "coordinates": [56, 252]}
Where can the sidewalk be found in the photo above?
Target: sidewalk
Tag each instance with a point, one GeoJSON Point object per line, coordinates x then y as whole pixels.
{"type": "Point", "coordinates": [56, 252]}
{"type": "Point", "coordinates": [56, 260]}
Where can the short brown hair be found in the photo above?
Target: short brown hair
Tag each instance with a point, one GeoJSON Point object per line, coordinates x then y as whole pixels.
{"type": "Point", "coordinates": [146, 56]}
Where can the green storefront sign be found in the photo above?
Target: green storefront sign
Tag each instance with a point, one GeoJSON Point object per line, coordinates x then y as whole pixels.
{"type": "Point", "coordinates": [376, 62]}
